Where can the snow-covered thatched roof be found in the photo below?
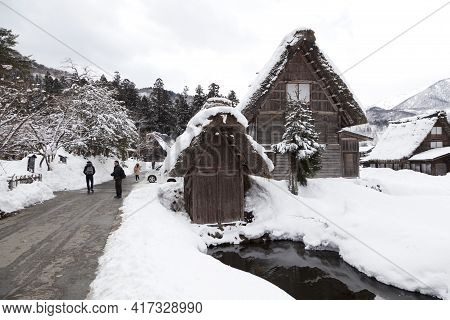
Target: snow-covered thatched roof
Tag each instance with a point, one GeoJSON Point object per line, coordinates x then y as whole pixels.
{"type": "Point", "coordinates": [302, 41]}
{"type": "Point", "coordinates": [355, 132]}
{"type": "Point", "coordinates": [402, 137]}
{"type": "Point", "coordinates": [163, 140]}
{"type": "Point", "coordinates": [200, 123]}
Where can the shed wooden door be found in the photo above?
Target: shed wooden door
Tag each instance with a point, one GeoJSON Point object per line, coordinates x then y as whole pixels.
{"type": "Point", "coordinates": [205, 195]}
{"type": "Point", "coordinates": [217, 197]}
{"type": "Point", "coordinates": [231, 190]}
{"type": "Point", "coordinates": [350, 165]}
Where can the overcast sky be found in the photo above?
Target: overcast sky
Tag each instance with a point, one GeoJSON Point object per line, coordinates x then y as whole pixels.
{"type": "Point", "coordinates": [227, 42]}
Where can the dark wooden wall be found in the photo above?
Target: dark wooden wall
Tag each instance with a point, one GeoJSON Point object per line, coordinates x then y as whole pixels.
{"type": "Point", "coordinates": [269, 123]}
{"type": "Point", "coordinates": [444, 137]}
{"type": "Point", "coordinates": [214, 188]}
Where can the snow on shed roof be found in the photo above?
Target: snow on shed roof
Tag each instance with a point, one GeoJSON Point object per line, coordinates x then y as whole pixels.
{"type": "Point", "coordinates": [431, 154]}
{"type": "Point", "coordinates": [164, 140]}
{"type": "Point", "coordinates": [402, 137]}
{"type": "Point", "coordinates": [354, 131]}
{"type": "Point", "coordinates": [301, 39]}
{"type": "Point", "coordinates": [196, 125]}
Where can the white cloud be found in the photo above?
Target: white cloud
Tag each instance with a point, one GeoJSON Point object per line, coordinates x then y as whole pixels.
{"type": "Point", "coordinates": [192, 42]}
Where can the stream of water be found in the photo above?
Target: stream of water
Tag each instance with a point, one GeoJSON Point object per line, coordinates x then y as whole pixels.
{"type": "Point", "coordinates": [307, 274]}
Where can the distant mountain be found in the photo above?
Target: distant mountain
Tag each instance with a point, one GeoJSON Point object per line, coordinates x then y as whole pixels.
{"type": "Point", "coordinates": [380, 116]}
{"type": "Point", "coordinates": [41, 70]}
{"type": "Point", "coordinates": [148, 90]}
{"type": "Point", "coordinates": [435, 97]}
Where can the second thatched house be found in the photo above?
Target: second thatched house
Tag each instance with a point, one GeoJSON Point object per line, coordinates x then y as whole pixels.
{"type": "Point", "coordinates": [299, 69]}
{"type": "Point", "coordinates": [420, 143]}
{"type": "Point", "coordinates": [155, 147]}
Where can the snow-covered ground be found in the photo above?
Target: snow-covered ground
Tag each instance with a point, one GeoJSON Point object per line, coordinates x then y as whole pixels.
{"type": "Point", "coordinates": [157, 254]}
{"type": "Point", "coordinates": [62, 177]}
{"type": "Point", "coordinates": [392, 225]}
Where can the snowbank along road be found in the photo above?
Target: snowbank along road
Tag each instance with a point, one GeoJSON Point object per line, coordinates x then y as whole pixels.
{"type": "Point", "coordinates": [51, 250]}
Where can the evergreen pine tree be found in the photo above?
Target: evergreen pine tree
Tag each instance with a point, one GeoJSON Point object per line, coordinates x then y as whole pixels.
{"type": "Point", "coordinates": [116, 80]}
{"type": "Point", "coordinates": [103, 81]}
{"type": "Point", "coordinates": [12, 63]}
{"type": "Point", "coordinates": [232, 97]}
{"type": "Point", "coordinates": [147, 123]}
{"type": "Point", "coordinates": [199, 100]}
{"type": "Point", "coordinates": [48, 82]}
{"type": "Point", "coordinates": [162, 107]}
{"type": "Point", "coordinates": [213, 91]}
{"type": "Point", "coordinates": [300, 141]}
{"type": "Point", "coordinates": [183, 111]}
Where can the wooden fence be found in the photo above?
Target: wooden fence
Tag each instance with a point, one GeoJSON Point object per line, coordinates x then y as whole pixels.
{"type": "Point", "coordinates": [14, 181]}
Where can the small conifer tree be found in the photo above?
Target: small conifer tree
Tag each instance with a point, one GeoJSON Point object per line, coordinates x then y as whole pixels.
{"type": "Point", "coordinates": [300, 141]}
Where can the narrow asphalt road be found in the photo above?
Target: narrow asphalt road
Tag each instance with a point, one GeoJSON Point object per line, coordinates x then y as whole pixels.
{"type": "Point", "coordinates": [51, 250]}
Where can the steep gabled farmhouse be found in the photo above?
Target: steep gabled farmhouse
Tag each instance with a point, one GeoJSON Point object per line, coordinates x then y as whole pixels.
{"type": "Point", "coordinates": [298, 66]}
{"type": "Point", "coordinates": [216, 156]}
{"type": "Point", "coordinates": [420, 143]}
{"type": "Point", "coordinates": [156, 146]}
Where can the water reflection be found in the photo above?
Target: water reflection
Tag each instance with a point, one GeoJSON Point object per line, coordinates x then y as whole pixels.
{"type": "Point", "coordinates": [307, 274]}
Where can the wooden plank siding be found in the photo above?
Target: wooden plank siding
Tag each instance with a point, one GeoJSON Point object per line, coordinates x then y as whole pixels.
{"type": "Point", "coordinates": [268, 126]}
{"type": "Point", "coordinates": [444, 137]}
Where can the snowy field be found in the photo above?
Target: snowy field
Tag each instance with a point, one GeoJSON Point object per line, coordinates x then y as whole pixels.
{"type": "Point", "coordinates": [392, 225]}
{"type": "Point", "coordinates": [63, 177]}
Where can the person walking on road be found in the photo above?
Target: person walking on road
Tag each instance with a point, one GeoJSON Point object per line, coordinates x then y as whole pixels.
{"type": "Point", "coordinates": [137, 172]}
{"type": "Point", "coordinates": [118, 175]}
{"type": "Point", "coordinates": [89, 171]}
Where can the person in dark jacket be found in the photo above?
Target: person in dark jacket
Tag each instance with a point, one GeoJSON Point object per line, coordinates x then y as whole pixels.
{"type": "Point", "coordinates": [89, 171]}
{"type": "Point", "coordinates": [118, 175]}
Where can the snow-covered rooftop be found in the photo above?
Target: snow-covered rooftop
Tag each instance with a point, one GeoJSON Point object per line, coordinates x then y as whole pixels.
{"type": "Point", "coordinates": [269, 74]}
{"type": "Point", "coordinates": [164, 140]}
{"type": "Point", "coordinates": [431, 154]}
{"type": "Point", "coordinates": [402, 137]}
{"type": "Point", "coordinates": [202, 119]}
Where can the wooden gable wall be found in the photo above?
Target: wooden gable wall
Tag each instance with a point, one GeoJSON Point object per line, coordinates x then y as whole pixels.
{"type": "Point", "coordinates": [444, 137]}
{"type": "Point", "coordinates": [269, 125]}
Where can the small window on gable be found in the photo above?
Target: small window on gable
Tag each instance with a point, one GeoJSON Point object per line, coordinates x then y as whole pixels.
{"type": "Point", "coordinates": [436, 130]}
{"type": "Point", "coordinates": [436, 144]}
{"type": "Point", "coordinates": [298, 91]}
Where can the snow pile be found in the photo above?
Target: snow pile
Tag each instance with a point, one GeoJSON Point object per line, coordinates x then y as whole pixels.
{"type": "Point", "coordinates": [194, 128]}
{"type": "Point", "coordinates": [156, 254]}
{"type": "Point", "coordinates": [22, 196]}
{"type": "Point", "coordinates": [62, 177]}
{"type": "Point", "coordinates": [431, 154]}
{"type": "Point", "coordinates": [402, 138]}
{"type": "Point", "coordinates": [399, 235]}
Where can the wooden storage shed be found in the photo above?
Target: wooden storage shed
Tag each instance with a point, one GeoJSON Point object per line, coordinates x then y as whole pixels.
{"type": "Point", "coordinates": [216, 157]}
